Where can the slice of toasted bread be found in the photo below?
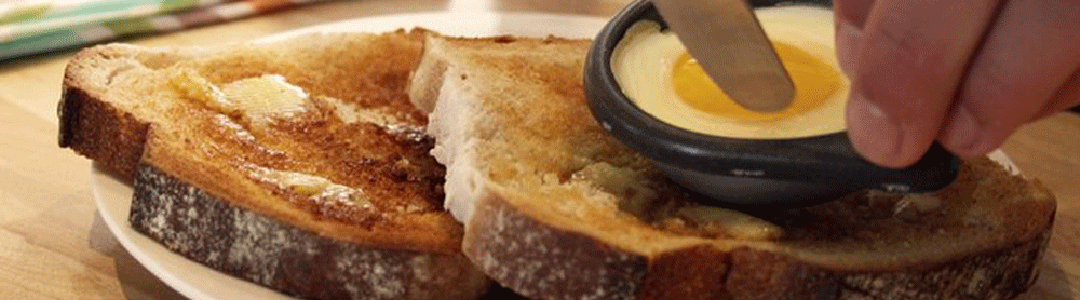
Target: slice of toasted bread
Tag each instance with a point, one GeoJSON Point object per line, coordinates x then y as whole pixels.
{"type": "Point", "coordinates": [324, 192]}
{"type": "Point", "coordinates": [555, 208]}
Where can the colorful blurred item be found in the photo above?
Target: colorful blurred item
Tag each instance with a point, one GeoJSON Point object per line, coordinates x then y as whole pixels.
{"type": "Point", "coordinates": [30, 27]}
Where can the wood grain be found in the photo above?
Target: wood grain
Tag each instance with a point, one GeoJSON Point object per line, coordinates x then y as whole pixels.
{"type": "Point", "coordinates": [1047, 151]}
{"type": "Point", "coordinates": [53, 245]}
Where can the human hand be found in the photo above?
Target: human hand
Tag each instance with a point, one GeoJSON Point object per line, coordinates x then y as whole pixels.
{"type": "Point", "coordinates": [965, 73]}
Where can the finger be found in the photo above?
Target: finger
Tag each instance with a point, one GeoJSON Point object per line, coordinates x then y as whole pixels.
{"type": "Point", "coordinates": [911, 62]}
{"type": "Point", "coordinates": [1068, 96]}
{"type": "Point", "coordinates": [850, 16]}
{"type": "Point", "coordinates": [1022, 69]}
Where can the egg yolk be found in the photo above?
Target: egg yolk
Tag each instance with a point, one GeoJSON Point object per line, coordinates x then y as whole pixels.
{"type": "Point", "coordinates": [815, 83]}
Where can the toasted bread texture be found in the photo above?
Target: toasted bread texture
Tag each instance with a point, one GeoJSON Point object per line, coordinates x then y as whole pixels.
{"type": "Point", "coordinates": [298, 164]}
{"type": "Point", "coordinates": [555, 208]}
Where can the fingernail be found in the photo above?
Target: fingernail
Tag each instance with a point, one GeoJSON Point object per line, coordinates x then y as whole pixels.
{"type": "Point", "coordinates": [848, 42]}
{"type": "Point", "coordinates": [873, 133]}
{"type": "Point", "coordinates": [962, 132]}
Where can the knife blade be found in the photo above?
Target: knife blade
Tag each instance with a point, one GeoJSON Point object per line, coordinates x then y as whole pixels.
{"type": "Point", "coordinates": [724, 36]}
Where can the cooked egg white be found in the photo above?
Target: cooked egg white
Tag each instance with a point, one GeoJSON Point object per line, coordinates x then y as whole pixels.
{"type": "Point", "coordinates": [659, 76]}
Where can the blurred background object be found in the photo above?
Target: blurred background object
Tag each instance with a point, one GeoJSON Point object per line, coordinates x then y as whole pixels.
{"type": "Point", "coordinates": [30, 27]}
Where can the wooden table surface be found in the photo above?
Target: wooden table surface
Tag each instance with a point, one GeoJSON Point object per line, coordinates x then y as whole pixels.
{"type": "Point", "coordinates": [53, 245]}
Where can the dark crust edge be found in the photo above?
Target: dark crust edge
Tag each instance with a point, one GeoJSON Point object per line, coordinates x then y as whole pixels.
{"type": "Point", "coordinates": [1001, 274]}
{"type": "Point", "coordinates": [539, 261]}
{"type": "Point", "coordinates": [100, 132]}
{"type": "Point", "coordinates": [244, 244]}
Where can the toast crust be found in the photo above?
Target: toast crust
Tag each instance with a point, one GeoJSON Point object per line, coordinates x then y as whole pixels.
{"type": "Point", "coordinates": [540, 261]}
{"type": "Point", "coordinates": [277, 254]}
{"type": "Point", "coordinates": [95, 129]}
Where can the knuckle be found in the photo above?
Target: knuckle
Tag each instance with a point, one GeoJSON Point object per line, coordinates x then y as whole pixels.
{"type": "Point", "coordinates": [998, 98]}
{"type": "Point", "coordinates": [903, 46]}
{"type": "Point", "coordinates": [906, 71]}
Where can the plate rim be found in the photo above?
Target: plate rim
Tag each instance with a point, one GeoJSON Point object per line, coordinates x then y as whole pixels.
{"type": "Point", "coordinates": [126, 235]}
{"type": "Point", "coordinates": [336, 26]}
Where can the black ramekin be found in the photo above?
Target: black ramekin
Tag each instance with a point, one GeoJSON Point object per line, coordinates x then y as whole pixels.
{"type": "Point", "coordinates": [744, 172]}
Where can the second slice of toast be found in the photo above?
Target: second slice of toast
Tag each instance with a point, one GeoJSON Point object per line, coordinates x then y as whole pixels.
{"type": "Point", "coordinates": [555, 208]}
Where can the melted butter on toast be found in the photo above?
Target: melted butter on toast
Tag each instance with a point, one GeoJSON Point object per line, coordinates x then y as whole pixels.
{"type": "Point", "coordinates": [316, 188]}
{"type": "Point", "coordinates": [258, 100]}
{"type": "Point", "coordinates": [392, 123]}
{"type": "Point", "coordinates": [265, 97]}
{"type": "Point", "coordinates": [722, 222]}
{"type": "Point", "coordinates": [638, 196]}
{"type": "Point", "coordinates": [335, 158]}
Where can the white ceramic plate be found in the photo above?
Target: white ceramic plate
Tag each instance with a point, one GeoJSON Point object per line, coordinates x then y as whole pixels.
{"type": "Point", "coordinates": [195, 281]}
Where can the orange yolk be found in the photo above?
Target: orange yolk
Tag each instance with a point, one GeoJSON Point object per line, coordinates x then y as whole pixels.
{"type": "Point", "coordinates": [815, 83]}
